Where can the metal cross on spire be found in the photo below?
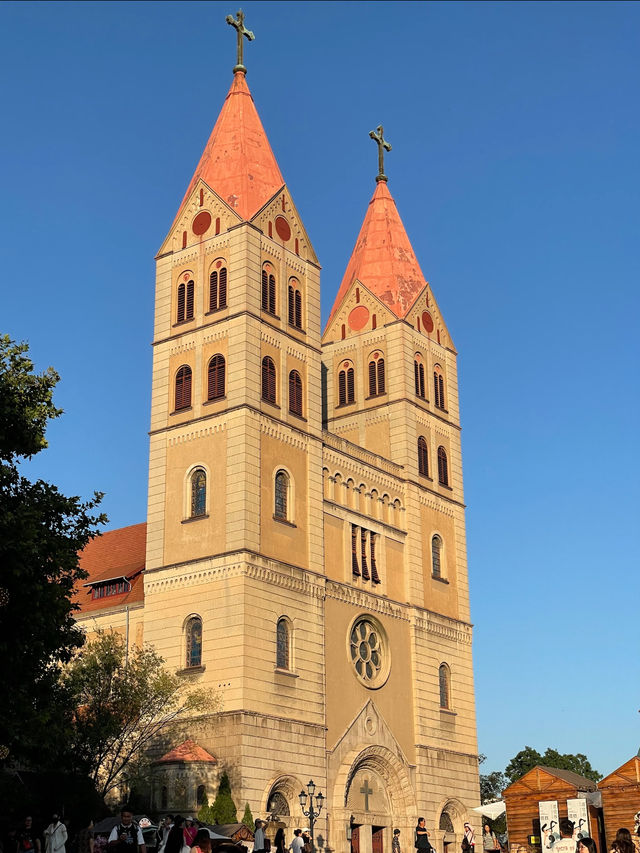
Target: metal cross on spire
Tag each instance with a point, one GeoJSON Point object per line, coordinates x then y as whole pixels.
{"type": "Point", "coordinates": [383, 146]}
{"type": "Point", "coordinates": [238, 23]}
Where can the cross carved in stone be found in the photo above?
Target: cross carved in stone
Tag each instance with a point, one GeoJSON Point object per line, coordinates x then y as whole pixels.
{"type": "Point", "coordinates": [383, 146]}
{"type": "Point", "coordinates": [242, 31]}
{"type": "Point", "coordinates": [366, 790]}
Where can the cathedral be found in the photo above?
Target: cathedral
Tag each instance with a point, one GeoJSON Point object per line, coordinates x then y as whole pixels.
{"type": "Point", "coordinates": [304, 553]}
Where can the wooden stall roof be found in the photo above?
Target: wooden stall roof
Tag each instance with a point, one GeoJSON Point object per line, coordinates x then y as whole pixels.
{"type": "Point", "coordinates": [547, 780]}
{"type": "Point", "coordinates": [627, 775]}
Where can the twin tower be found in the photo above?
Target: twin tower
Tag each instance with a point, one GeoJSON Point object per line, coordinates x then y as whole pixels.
{"type": "Point", "coordinates": [305, 551]}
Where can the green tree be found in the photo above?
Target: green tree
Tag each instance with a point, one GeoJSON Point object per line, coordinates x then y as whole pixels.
{"type": "Point", "coordinates": [204, 812]}
{"type": "Point", "coordinates": [223, 808]}
{"type": "Point", "coordinates": [528, 758]}
{"type": "Point", "coordinates": [247, 818]}
{"type": "Point", "coordinates": [122, 702]}
{"type": "Point", "coordinates": [41, 534]}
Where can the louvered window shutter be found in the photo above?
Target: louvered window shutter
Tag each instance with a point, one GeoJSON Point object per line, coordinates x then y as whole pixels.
{"type": "Point", "coordinates": [441, 389]}
{"type": "Point", "coordinates": [298, 298]}
{"type": "Point", "coordinates": [436, 544]}
{"type": "Point", "coordinates": [222, 292]}
{"type": "Point", "coordinates": [183, 388]}
{"type": "Point", "coordinates": [422, 381]}
{"type": "Point", "coordinates": [291, 307]}
{"type": "Point", "coordinates": [372, 378]}
{"type": "Point", "coordinates": [216, 377]}
{"type": "Point", "coordinates": [351, 393]}
{"type": "Point", "coordinates": [213, 291]}
{"type": "Point", "coordinates": [190, 300]}
{"type": "Point", "coordinates": [375, 577]}
{"type": "Point", "coordinates": [265, 291]}
{"type": "Point", "coordinates": [363, 554]}
{"type": "Point", "coordinates": [342, 388]}
{"type": "Point", "coordinates": [354, 551]}
{"type": "Point", "coordinates": [443, 472]}
{"type": "Point", "coordinates": [272, 294]}
{"type": "Point", "coordinates": [436, 391]}
{"type": "Point", "coordinates": [381, 387]}
{"type": "Point", "coordinates": [423, 464]}
{"type": "Point", "coordinates": [181, 303]}
{"type": "Point", "coordinates": [416, 367]}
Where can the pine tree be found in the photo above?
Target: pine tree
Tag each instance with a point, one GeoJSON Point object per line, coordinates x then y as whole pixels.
{"type": "Point", "coordinates": [247, 818]}
{"type": "Point", "coordinates": [224, 809]}
{"type": "Point", "coordinates": [205, 812]}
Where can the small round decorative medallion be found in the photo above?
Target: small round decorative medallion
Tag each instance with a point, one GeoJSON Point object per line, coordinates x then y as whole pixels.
{"type": "Point", "coordinates": [283, 229]}
{"type": "Point", "coordinates": [201, 223]}
{"type": "Point", "coordinates": [368, 651]}
{"type": "Point", "coordinates": [358, 318]}
{"type": "Point", "coordinates": [427, 321]}
{"type": "Point", "coordinates": [370, 726]}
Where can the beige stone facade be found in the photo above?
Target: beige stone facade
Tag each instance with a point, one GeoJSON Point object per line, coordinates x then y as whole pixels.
{"type": "Point", "coordinates": [372, 696]}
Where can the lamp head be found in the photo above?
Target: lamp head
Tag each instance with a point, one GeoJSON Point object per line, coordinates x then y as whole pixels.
{"type": "Point", "coordinates": [303, 799]}
{"type": "Point", "coordinates": [311, 787]}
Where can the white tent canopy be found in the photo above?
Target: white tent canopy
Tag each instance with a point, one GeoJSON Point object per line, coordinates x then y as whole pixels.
{"type": "Point", "coordinates": [491, 810]}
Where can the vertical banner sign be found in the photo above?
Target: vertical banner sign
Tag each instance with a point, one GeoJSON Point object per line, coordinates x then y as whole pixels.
{"type": "Point", "coordinates": [549, 829]}
{"type": "Point", "coordinates": [578, 813]}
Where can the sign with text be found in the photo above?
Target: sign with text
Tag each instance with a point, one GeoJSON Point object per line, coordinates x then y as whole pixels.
{"type": "Point", "coordinates": [578, 814]}
{"type": "Point", "coordinates": [549, 820]}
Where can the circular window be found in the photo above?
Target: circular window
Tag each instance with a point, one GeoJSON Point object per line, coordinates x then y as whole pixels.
{"type": "Point", "coordinates": [368, 651]}
{"type": "Point", "coordinates": [201, 223]}
{"type": "Point", "coordinates": [283, 229]}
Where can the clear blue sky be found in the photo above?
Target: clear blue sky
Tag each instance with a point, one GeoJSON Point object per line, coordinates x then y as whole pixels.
{"type": "Point", "coordinates": [515, 135]}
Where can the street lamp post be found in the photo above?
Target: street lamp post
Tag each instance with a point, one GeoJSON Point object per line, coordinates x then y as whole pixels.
{"type": "Point", "coordinates": [313, 811]}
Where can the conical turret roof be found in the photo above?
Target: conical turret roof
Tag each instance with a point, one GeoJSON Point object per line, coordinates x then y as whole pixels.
{"type": "Point", "coordinates": [237, 162]}
{"type": "Point", "coordinates": [383, 258]}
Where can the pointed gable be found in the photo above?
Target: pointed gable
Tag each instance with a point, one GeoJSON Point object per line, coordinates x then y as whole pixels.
{"type": "Point", "coordinates": [237, 162]}
{"type": "Point", "coordinates": [628, 774]}
{"type": "Point", "coordinates": [383, 258]}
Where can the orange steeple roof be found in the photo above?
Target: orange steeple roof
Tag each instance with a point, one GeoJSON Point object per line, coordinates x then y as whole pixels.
{"type": "Point", "coordinates": [238, 162]}
{"type": "Point", "coordinates": [383, 259]}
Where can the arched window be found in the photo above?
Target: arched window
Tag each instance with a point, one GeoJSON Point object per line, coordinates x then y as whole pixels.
{"type": "Point", "coordinates": [198, 493]}
{"type": "Point", "coordinates": [268, 290]}
{"type": "Point", "coordinates": [201, 795]}
{"type": "Point", "coordinates": [418, 369]}
{"type": "Point", "coordinates": [436, 554]}
{"type": "Point", "coordinates": [295, 304]}
{"type": "Point", "coordinates": [376, 375]}
{"type": "Point", "coordinates": [443, 468]}
{"type": "Point", "coordinates": [186, 296]}
{"type": "Point", "coordinates": [281, 496]}
{"type": "Point", "coordinates": [444, 678]}
{"type": "Point", "coordinates": [164, 798]}
{"type": "Point", "coordinates": [194, 642]}
{"type": "Point", "coordinates": [346, 386]}
{"type": "Point", "coordinates": [268, 380]}
{"type": "Point", "coordinates": [216, 378]}
{"type": "Point", "coordinates": [183, 388]}
{"type": "Point", "coordinates": [295, 393]}
{"type": "Point", "coordinates": [283, 644]}
{"type": "Point", "coordinates": [423, 457]}
{"type": "Point", "coordinates": [218, 289]}
{"type": "Point", "coordinates": [438, 387]}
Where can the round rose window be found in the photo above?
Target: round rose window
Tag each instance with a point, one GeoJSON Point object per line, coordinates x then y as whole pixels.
{"type": "Point", "coordinates": [368, 653]}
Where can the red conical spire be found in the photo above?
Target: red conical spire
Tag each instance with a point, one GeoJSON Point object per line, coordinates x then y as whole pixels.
{"type": "Point", "coordinates": [383, 259]}
{"type": "Point", "coordinates": [238, 162]}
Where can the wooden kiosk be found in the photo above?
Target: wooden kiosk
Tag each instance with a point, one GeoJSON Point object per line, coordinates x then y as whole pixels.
{"type": "Point", "coordinates": [539, 784]}
{"type": "Point", "coordinates": [620, 792]}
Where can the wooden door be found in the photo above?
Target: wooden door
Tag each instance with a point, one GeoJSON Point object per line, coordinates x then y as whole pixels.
{"type": "Point", "coordinates": [376, 839]}
{"type": "Point", "coordinates": [355, 839]}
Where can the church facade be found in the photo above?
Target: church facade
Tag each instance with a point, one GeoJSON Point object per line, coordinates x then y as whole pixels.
{"type": "Point", "coordinates": [304, 553]}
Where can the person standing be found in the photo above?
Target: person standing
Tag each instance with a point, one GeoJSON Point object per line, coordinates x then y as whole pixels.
{"type": "Point", "coordinates": [566, 843]}
{"type": "Point", "coordinates": [469, 837]}
{"type": "Point", "coordinates": [279, 841]}
{"type": "Point", "coordinates": [489, 839]}
{"type": "Point", "coordinates": [189, 832]}
{"type": "Point", "coordinates": [395, 844]}
{"type": "Point", "coordinates": [422, 836]}
{"type": "Point", "coordinates": [26, 839]}
{"type": "Point", "coordinates": [84, 839]}
{"type": "Point", "coordinates": [202, 842]}
{"type": "Point", "coordinates": [297, 843]}
{"type": "Point", "coordinates": [306, 842]}
{"type": "Point", "coordinates": [127, 836]}
{"type": "Point", "coordinates": [55, 836]}
{"type": "Point", "coordinates": [258, 837]}
{"type": "Point", "coordinates": [623, 842]}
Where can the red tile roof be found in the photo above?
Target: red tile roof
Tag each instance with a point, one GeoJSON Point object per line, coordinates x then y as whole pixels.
{"type": "Point", "coordinates": [238, 162]}
{"type": "Point", "coordinates": [383, 258]}
{"type": "Point", "coordinates": [187, 751]}
{"type": "Point", "coordinates": [115, 554]}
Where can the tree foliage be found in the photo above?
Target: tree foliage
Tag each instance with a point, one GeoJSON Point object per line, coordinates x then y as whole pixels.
{"type": "Point", "coordinates": [223, 808]}
{"type": "Point", "coordinates": [205, 814]}
{"type": "Point", "coordinates": [247, 817]}
{"type": "Point", "coordinates": [41, 533]}
{"type": "Point", "coordinates": [123, 701]}
{"type": "Point", "coordinates": [528, 758]}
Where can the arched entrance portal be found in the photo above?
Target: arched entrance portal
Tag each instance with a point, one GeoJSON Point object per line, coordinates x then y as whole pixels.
{"type": "Point", "coordinates": [280, 804]}
{"type": "Point", "coordinates": [450, 827]}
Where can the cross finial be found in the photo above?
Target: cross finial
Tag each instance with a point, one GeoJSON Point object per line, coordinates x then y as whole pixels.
{"type": "Point", "coordinates": [383, 146]}
{"type": "Point", "coordinates": [238, 23]}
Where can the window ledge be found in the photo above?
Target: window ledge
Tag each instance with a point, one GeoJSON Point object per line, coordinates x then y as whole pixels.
{"type": "Point", "coordinates": [440, 580]}
{"type": "Point", "coordinates": [216, 310]}
{"type": "Point", "coordinates": [270, 313]}
{"type": "Point", "coordinates": [215, 400]}
{"type": "Point", "coordinates": [183, 322]}
{"type": "Point", "coordinates": [191, 670]}
{"type": "Point", "coordinates": [445, 486]}
{"type": "Point", "coordinates": [269, 403]}
{"type": "Point", "coordinates": [448, 712]}
{"type": "Point", "coordinates": [284, 521]}
{"type": "Point", "coordinates": [425, 477]}
{"type": "Point", "coordinates": [181, 411]}
{"type": "Point", "coordinates": [296, 415]}
{"type": "Point", "coordinates": [344, 405]}
{"type": "Point", "coordinates": [194, 518]}
{"type": "Point", "coordinates": [375, 396]}
{"type": "Point", "coordinates": [280, 671]}
{"type": "Point", "coordinates": [441, 409]}
{"type": "Point", "coordinates": [297, 329]}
